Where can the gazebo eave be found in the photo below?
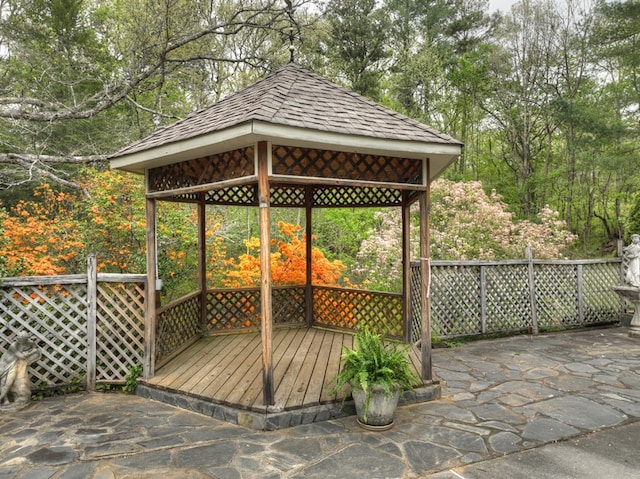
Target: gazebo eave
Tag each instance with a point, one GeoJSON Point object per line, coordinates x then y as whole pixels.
{"type": "Point", "coordinates": [440, 154]}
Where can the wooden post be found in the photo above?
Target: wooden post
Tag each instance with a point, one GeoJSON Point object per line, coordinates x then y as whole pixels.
{"type": "Point", "coordinates": [202, 259]}
{"type": "Point", "coordinates": [425, 279]}
{"type": "Point", "coordinates": [92, 315]}
{"type": "Point", "coordinates": [265, 274]}
{"type": "Point", "coordinates": [150, 293]}
{"type": "Point", "coordinates": [308, 291]}
{"type": "Point", "coordinates": [406, 271]}
{"type": "Point", "coordinates": [532, 290]}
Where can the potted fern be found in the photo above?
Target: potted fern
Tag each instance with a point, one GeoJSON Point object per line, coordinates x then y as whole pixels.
{"type": "Point", "coordinates": [377, 373]}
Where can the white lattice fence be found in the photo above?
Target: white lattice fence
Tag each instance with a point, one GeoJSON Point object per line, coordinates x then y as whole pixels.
{"type": "Point", "coordinates": [119, 329]}
{"type": "Point", "coordinates": [482, 297]}
{"type": "Point", "coordinates": [56, 312]}
{"type": "Point", "coordinates": [55, 317]}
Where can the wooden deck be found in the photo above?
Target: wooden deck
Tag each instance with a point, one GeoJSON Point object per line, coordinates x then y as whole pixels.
{"type": "Point", "coordinates": [228, 369]}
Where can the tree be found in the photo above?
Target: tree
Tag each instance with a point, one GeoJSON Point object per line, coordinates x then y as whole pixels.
{"type": "Point", "coordinates": [357, 42]}
{"type": "Point", "coordinates": [80, 78]}
{"type": "Point", "coordinates": [518, 106]}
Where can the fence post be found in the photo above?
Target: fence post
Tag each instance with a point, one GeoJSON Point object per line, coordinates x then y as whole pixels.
{"type": "Point", "coordinates": [532, 290]}
{"type": "Point", "coordinates": [92, 313]}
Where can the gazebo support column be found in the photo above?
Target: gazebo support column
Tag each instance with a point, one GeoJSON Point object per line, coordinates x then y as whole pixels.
{"type": "Point", "coordinates": [202, 258]}
{"type": "Point", "coordinates": [266, 319]}
{"type": "Point", "coordinates": [425, 285]}
{"type": "Point", "coordinates": [150, 293]}
{"type": "Point", "coordinates": [308, 291]}
{"type": "Point", "coordinates": [406, 269]}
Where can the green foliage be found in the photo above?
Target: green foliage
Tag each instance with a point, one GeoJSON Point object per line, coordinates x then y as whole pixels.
{"type": "Point", "coordinates": [358, 42]}
{"type": "Point", "coordinates": [633, 219]}
{"type": "Point", "coordinates": [131, 380]}
{"type": "Point", "coordinates": [372, 362]}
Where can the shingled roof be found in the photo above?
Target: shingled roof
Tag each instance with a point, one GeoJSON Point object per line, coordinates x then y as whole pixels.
{"type": "Point", "coordinates": [293, 97]}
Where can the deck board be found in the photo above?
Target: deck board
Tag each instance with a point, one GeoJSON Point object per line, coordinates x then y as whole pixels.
{"type": "Point", "coordinates": [228, 369]}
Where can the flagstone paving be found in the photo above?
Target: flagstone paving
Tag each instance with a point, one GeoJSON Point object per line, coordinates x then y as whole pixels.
{"type": "Point", "coordinates": [500, 397]}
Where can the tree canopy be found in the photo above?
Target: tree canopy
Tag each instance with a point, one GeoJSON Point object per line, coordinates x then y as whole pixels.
{"type": "Point", "coordinates": [545, 97]}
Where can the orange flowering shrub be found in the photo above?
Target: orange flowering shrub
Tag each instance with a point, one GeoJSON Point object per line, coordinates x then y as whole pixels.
{"type": "Point", "coordinates": [42, 237]}
{"type": "Point", "coordinates": [288, 263]}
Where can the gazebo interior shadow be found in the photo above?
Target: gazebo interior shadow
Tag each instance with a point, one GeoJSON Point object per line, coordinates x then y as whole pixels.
{"type": "Point", "coordinates": [264, 356]}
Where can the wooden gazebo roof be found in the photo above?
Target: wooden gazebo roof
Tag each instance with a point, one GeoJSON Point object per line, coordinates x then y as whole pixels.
{"type": "Point", "coordinates": [295, 107]}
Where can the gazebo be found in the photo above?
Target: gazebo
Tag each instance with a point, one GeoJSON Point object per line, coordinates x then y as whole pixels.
{"type": "Point", "coordinates": [291, 140]}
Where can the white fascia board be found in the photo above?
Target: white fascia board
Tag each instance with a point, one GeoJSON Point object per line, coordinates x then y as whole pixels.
{"type": "Point", "coordinates": [295, 136]}
{"type": "Point", "coordinates": [441, 154]}
{"type": "Point", "coordinates": [216, 142]}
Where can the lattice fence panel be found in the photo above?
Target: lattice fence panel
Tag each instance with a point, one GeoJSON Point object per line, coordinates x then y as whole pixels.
{"type": "Point", "coordinates": [288, 305]}
{"type": "Point", "coordinates": [229, 310]}
{"type": "Point", "coordinates": [349, 309]}
{"type": "Point", "coordinates": [55, 317]}
{"type": "Point", "coordinates": [119, 330]}
{"type": "Point", "coordinates": [416, 303]}
{"type": "Point", "coordinates": [507, 303]}
{"type": "Point", "coordinates": [177, 323]}
{"type": "Point", "coordinates": [600, 303]}
{"type": "Point", "coordinates": [556, 295]}
{"type": "Point", "coordinates": [290, 196]}
{"type": "Point", "coordinates": [455, 300]}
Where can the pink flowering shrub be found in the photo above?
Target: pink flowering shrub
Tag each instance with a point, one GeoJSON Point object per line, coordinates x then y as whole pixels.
{"type": "Point", "coordinates": [466, 224]}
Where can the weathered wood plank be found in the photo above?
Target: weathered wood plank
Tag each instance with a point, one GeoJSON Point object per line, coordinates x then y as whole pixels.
{"type": "Point", "coordinates": [198, 366]}
{"type": "Point", "coordinates": [179, 367]}
{"type": "Point", "coordinates": [248, 393]}
{"type": "Point", "coordinates": [315, 380]}
{"type": "Point", "coordinates": [333, 365]}
{"type": "Point", "coordinates": [243, 359]}
{"type": "Point", "coordinates": [297, 360]}
{"type": "Point", "coordinates": [224, 361]}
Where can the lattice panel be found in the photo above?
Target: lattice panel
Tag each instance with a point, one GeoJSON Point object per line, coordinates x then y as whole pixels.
{"type": "Point", "coordinates": [288, 305]}
{"type": "Point", "coordinates": [455, 300]}
{"type": "Point", "coordinates": [233, 309]}
{"type": "Point", "coordinates": [245, 195]}
{"type": "Point", "coordinates": [120, 330]}
{"type": "Point", "coordinates": [55, 318]}
{"type": "Point", "coordinates": [507, 298]}
{"type": "Point", "coordinates": [600, 303]}
{"type": "Point", "coordinates": [346, 196]}
{"type": "Point", "coordinates": [381, 312]}
{"type": "Point", "coordinates": [176, 324]}
{"type": "Point", "coordinates": [209, 169]}
{"type": "Point", "coordinates": [556, 295]}
{"type": "Point", "coordinates": [291, 196]}
{"type": "Point", "coordinates": [229, 310]}
{"type": "Point", "coordinates": [416, 303]}
{"type": "Point", "coordinates": [295, 161]}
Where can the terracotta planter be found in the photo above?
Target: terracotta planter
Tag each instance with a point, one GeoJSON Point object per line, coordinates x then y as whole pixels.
{"type": "Point", "coordinates": [382, 407]}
